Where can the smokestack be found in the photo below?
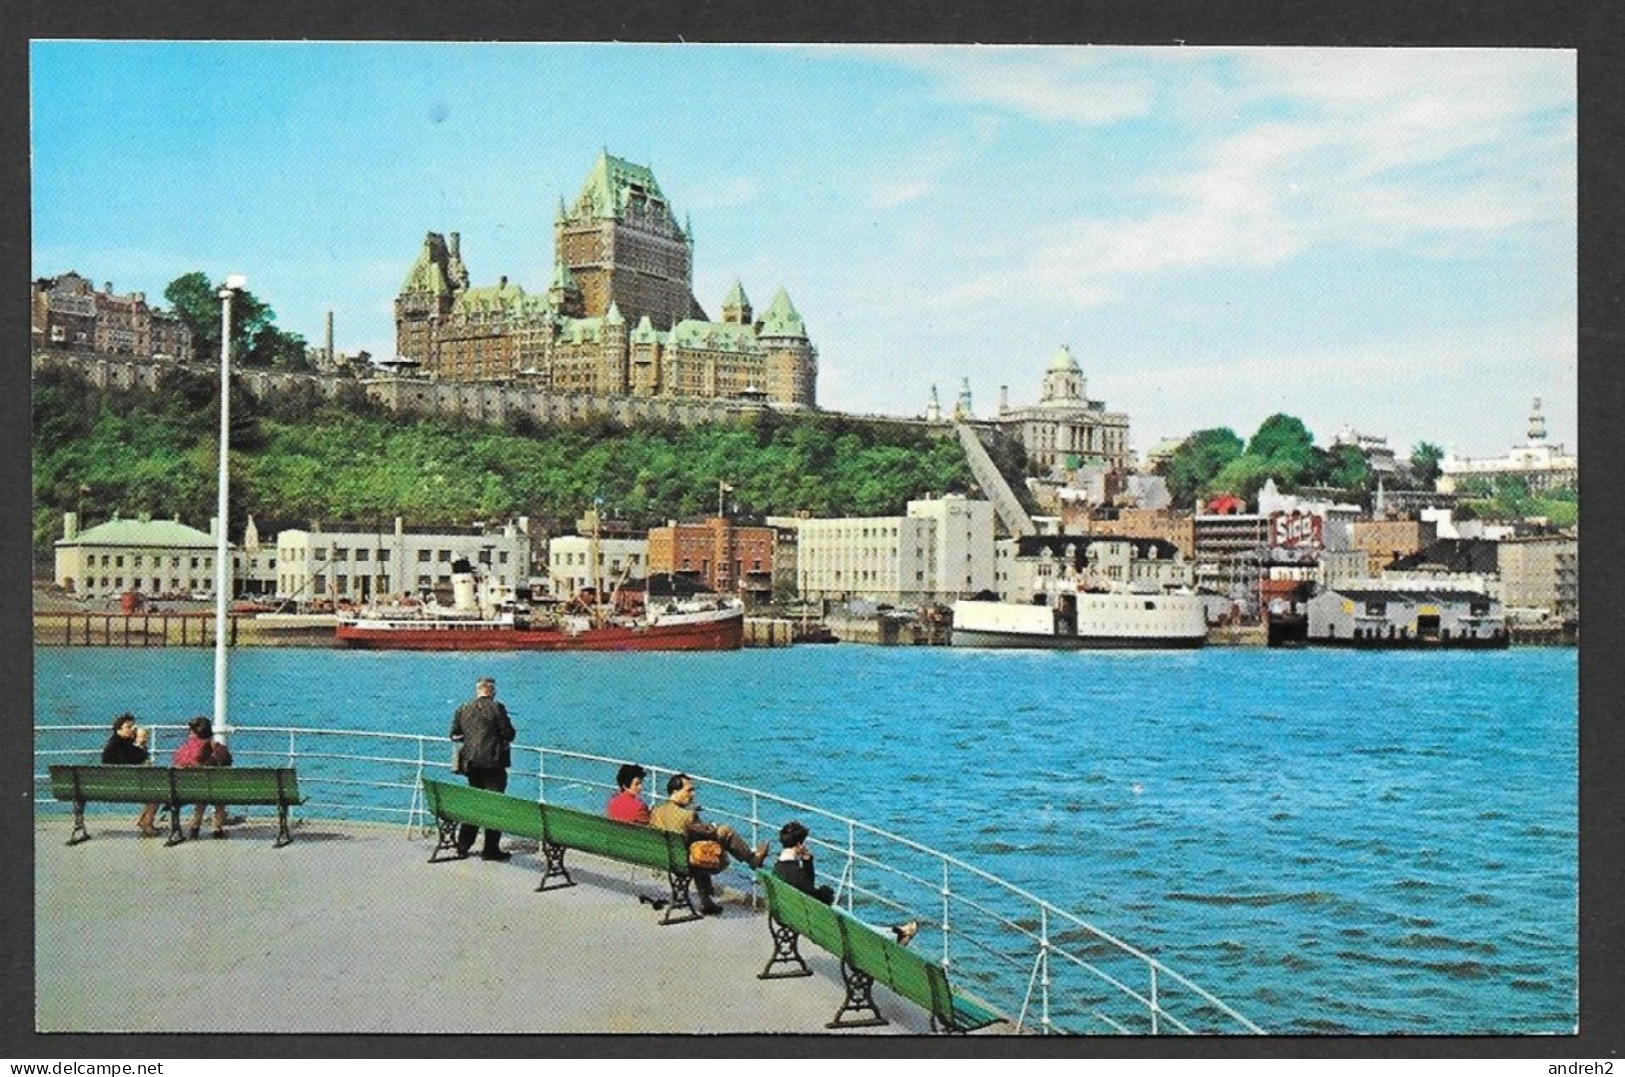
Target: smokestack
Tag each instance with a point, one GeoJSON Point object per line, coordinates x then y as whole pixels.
{"type": "Point", "coordinates": [332, 356]}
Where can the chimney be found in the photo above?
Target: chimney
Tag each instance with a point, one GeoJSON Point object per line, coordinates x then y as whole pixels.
{"type": "Point", "coordinates": [331, 356]}
{"type": "Point", "coordinates": [214, 526]}
{"type": "Point", "coordinates": [70, 526]}
{"type": "Point", "coordinates": [456, 242]}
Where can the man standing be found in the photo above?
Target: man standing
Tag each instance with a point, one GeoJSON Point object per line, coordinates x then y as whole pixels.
{"type": "Point", "coordinates": [482, 727]}
{"type": "Point", "coordinates": [680, 815]}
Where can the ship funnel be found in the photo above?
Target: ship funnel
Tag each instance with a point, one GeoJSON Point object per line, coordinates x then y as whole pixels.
{"type": "Point", "coordinates": [462, 585]}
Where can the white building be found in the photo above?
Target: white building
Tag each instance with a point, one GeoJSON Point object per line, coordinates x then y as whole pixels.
{"type": "Point", "coordinates": [570, 569]}
{"type": "Point", "coordinates": [1065, 429]}
{"type": "Point", "coordinates": [1025, 564]}
{"type": "Point", "coordinates": [1540, 465]}
{"type": "Point", "coordinates": [152, 557]}
{"type": "Point", "coordinates": [360, 563]}
{"type": "Point", "coordinates": [942, 549]}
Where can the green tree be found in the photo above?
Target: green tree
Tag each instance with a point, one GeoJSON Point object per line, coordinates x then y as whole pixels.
{"type": "Point", "coordinates": [1344, 467]}
{"type": "Point", "coordinates": [255, 338]}
{"type": "Point", "coordinates": [1192, 467]}
{"type": "Point", "coordinates": [1425, 457]}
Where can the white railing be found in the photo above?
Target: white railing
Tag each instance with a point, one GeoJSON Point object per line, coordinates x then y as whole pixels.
{"type": "Point", "coordinates": [1048, 969]}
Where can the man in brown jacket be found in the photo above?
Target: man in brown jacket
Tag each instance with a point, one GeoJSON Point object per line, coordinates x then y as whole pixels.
{"type": "Point", "coordinates": [679, 815]}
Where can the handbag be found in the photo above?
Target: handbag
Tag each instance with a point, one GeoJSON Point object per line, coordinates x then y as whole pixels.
{"type": "Point", "coordinates": [705, 855]}
{"type": "Point", "coordinates": [457, 759]}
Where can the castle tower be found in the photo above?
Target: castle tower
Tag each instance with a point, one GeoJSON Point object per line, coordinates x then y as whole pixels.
{"type": "Point", "coordinates": [791, 361]}
{"type": "Point", "coordinates": [962, 409]}
{"type": "Point", "coordinates": [612, 361]}
{"type": "Point", "coordinates": [933, 409]}
{"type": "Point", "coordinates": [1063, 380]}
{"type": "Point", "coordinates": [1537, 424]}
{"type": "Point", "coordinates": [622, 243]}
{"type": "Point", "coordinates": [427, 295]}
{"type": "Point", "coordinates": [736, 305]}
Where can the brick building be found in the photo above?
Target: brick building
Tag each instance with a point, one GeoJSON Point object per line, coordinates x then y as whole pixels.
{"type": "Point", "coordinates": [721, 556]}
{"type": "Point", "coordinates": [68, 312]}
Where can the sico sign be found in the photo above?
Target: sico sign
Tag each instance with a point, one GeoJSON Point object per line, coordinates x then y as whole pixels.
{"type": "Point", "coordinates": [1296, 530]}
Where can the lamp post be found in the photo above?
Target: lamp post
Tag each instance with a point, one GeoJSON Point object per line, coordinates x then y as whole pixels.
{"type": "Point", "coordinates": [222, 549]}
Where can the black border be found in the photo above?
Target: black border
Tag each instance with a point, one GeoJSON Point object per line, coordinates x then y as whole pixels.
{"type": "Point", "coordinates": [1591, 29]}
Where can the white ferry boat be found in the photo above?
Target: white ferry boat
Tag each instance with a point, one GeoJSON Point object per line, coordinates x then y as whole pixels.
{"type": "Point", "coordinates": [1074, 617]}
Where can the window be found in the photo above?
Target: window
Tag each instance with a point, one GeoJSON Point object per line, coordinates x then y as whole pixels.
{"type": "Point", "coordinates": [363, 555]}
{"type": "Point", "coordinates": [424, 556]}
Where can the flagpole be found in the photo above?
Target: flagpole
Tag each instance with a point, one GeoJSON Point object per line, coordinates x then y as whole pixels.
{"type": "Point", "coordinates": [222, 548]}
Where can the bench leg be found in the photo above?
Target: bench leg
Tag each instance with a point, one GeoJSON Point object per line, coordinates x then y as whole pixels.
{"type": "Point", "coordinates": [679, 899]}
{"type": "Point", "coordinates": [175, 834]}
{"type": "Point", "coordinates": [554, 856]}
{"type": "Point", "coordinates": [446, 839]}
{"type": "Point", "coordinates": [283, 835]}
{"type": "Point", "coordinates": [786, 951]}
{"type": "Point", "coordinates": [860, 999]}
{"type": "Point", "coordinates": [79, 832]}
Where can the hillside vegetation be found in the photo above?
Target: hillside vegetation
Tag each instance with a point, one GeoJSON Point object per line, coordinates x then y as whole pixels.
{"type": "Point", "coordinates": [298, 458]}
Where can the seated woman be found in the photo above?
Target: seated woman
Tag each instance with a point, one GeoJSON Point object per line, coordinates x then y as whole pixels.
{"type": "Point", "coordinates": [795, 863]}
{"type": "Point", "coordinates": [127, 747]}
{"type": "Point", "coordinates": [795, 866]}
{"type": "Point", "coordinates": [201, 750]}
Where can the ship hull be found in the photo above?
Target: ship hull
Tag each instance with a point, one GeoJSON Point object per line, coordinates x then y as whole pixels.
{"type": "Point", "coordinates": [982, 638]}
{"type": "Point", "coordinates": [726, 633]}
{"type": "Point", "coordinates": [1084, 621]}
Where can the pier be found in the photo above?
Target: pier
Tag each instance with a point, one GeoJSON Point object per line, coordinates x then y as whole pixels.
{"type": "Point", "coordinates": [350, 930]}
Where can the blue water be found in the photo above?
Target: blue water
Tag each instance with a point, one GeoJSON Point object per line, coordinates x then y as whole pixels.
{"type": "Point", "coordinates": [1330, 841]}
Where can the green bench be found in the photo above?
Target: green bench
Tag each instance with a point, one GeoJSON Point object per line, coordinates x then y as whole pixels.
{"type": "Point", "coordinates": [867, 958]}
{"type": "Point", "coordinates": [172, 787]}
{"type": "Point", "coordinates": [557, 829]}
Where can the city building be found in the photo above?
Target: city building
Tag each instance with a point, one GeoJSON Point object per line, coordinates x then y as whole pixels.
{"type": "Point", "coordinates": [1024, 564]}
{"type": "Point", "coordinates": [68, 312]}
{"type": "Point", "coordinates": [618, 317]}
{"type": "Point", "coordinates": [375, 562]}
{"type": "Point", "coordinates": [571, 569]}
{"type": "Point", "coordinates": [940, 550]}
{"type": "Point", "coordinates": [1537, 463]}
{"type": "Point", "coordinates": [720, 555]}
{"type": "Point", "coordinates": [1381, 614]}
{"type": "Point", "coordinates": [1540, 574]}
{"type": "Point", "coordinates": [1066, 430]}
{"type": "Point", "coordinates": [1385, 541]}
{"type": "Point", "coordinates": [155, 558]}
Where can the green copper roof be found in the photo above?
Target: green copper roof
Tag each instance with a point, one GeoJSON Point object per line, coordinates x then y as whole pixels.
{"type": "Point", "coordinates": [425, 274]}
{"type": "Point", "coordinates": [563, 278]}
{"type": "Point", "coordinates": [581, 330]}
{"type": "Point", "coordinates": [504, 296]}
{"type": "Point", "coordinates": [168, 533]}
{"type": "Point", "coordinates": [1064, 363]}
{"type": "Point", "coordinates": [781, 319]}
{"type": "Point", "coordinates": [613, 316]}
{"type": "Point", "coordinates": [714, 336]}
{"type": "Point", "coordinates": [645, 333]}
{"type": "Point", "coordinates": [736, 296]}
{"type": "Point", "coordinates": [613, 184]}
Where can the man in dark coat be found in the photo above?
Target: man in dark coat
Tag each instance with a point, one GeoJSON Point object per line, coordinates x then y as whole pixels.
{"type": "Point", "coordinates": [482, 727]}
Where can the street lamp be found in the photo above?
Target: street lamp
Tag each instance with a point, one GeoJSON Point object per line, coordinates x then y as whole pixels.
{"type": "Point", "coordinates": [222, 551]}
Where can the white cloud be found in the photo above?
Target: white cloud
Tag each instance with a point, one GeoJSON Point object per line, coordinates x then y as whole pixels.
{"type": "Point", "coordinates": [1048, 83]}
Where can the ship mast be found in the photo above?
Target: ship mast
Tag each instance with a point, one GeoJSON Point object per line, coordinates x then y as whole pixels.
{"type": "Point", "coordinates": [593, 547]}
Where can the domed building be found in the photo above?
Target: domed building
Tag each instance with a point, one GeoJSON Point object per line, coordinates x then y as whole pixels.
{"type": "Point", "coordinates": [618, 317]}
{"type": "Point", "coordinates": [1066, 430]}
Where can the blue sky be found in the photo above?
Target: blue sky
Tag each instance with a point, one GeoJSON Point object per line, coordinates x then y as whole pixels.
{"type": "Point", "coordinates": [1380, 239]}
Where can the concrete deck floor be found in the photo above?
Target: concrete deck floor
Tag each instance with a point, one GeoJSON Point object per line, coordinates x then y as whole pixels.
{"type": "Point", "coordinates": [350, 930]}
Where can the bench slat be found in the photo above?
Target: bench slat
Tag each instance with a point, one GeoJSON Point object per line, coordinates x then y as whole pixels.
{"type": "Point", "coordinates": [484, 808]}
{"type": "Point", "coordinates": [627, 842]}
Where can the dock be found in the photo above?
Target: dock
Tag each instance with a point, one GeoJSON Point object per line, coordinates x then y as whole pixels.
{"type": "Point", "coordinates": [350, 930]}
